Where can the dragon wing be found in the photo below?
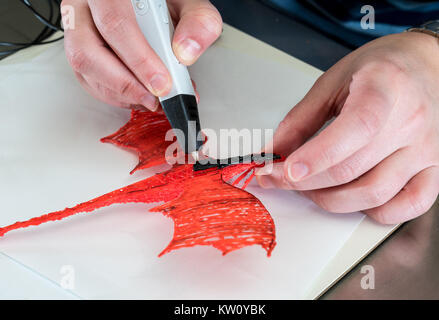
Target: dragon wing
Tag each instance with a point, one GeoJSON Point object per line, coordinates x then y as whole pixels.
{"type": "Point", "coordinates": [205, 209]}
{"type": "Point", "coordinates": [144, 133]}
{"type": "Point", "coordinates": [212, 212]}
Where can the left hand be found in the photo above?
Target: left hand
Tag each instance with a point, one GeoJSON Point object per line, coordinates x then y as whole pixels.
{"type": "Point", "coordinates": [381, 153]}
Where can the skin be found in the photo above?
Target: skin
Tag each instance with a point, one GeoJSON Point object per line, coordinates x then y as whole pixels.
{"type": "Point", "coordinates": [379, 155]}
{"type": "Point", "coordinates": [112, 59]}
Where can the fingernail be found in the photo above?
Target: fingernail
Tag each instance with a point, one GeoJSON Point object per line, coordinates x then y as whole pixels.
{"type": "Point", "coordinates": [149, 101]}
{"type": "Point", "coordinates": [159, 84]}
{"type": "Point", "coordinates": [265, 182]}
{"type": "Point", "coordinates": [188, 50]}
{"type": "Point", "coordinates": [297, 171]}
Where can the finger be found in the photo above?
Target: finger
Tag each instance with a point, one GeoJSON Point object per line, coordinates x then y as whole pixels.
{"type": "Point", "coordinates": [374, 188]}
{"type": "Point", "coordinates": [116, 22]}
{"type": "Point", "coordinates": [87, 54]}
{"type": "Point", "coordinates": [275, 178]}
{"type": "Point", "coordinates": [112, 95]}
{"type": "Point", "coordinates": [199, 25]}
{"type": "Point", "coordinates": [415, 199]}
{"type": "Point", "coordinates": [306, 118]}
{"type": "Point", "coordinates": [355, 165]}
{"type": "Point", "coordinates": [101, 93]}
{"type": "Point", "coordinates": [313, 111]}
{"type": "Point", "coordinates": [366, 110]}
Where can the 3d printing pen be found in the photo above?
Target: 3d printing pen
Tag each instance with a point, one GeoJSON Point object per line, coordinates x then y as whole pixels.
{"type": "Point", "coordinates": [180, 105]}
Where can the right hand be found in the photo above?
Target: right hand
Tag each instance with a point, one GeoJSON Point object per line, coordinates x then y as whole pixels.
{"type": "Point", "coordinates": [114, 62]}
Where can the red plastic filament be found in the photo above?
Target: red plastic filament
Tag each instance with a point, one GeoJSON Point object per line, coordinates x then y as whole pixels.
{"type": "Point", "coordinates": [205, 209]}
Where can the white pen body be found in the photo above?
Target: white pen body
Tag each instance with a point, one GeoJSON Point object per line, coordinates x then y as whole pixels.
{"type": "Point", "coordinates": [155, 22]}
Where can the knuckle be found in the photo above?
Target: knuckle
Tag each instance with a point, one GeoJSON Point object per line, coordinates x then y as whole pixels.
{"type": "Point", "coordinates": [210, 19]}
{"type": "Point", "coordinates": [421, 113]}
{"type": "Point", "coordinates": [342, 173]}
{"type": "Point", "coordinates": [320, 81]}
{"type": "Point", "coordinates": [386, 66]}
{"type": "Point", "coordinates": [416, 119]}
{"type": "Point", "coordinates": [110, 22]}
{"type": "Point", "coordinates": [320, 84]}
{"type": "Point", "coordinates": [142, 63]}
{"type": "Point", "coordinates": [286, 126]}
{"type": "Point", "coordinates": [102, 90]}
{"type": "Point", "coordinates": [78, 59]}
{"type": "Point", "coordinates": [419, 203]}
{"type": "Point", "coordinates": [321, 200]}
{"type": "Point", "coordinates": [368, 121]}
{"type": "Point", "coordinates": [390, 67]}
{"type": "Point", "coordinates": [126, 87]}
{"type": "Point", "coordinates": [376, 195]}
{"type": "Point", "coordinates": [330, 154]}
{"type": "Point", "coordinates": [381, 216]}
{"type": "Point", "coordinates": [283, 125]}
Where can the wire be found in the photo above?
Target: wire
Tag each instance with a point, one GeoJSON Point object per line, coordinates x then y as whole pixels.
{"type": "Point", "coordinates": [40, 17]}
{"type": "Point", "coordinates": [50, 27]}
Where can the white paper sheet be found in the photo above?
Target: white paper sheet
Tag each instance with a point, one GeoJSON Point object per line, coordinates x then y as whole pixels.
{"type": "Point", "coordinates": [51, 157]}
{"type": "Point", "coordinates": [19, 282]}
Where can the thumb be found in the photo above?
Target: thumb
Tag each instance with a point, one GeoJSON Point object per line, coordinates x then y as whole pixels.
{"type": "Point", "coordinates": [199, 25]}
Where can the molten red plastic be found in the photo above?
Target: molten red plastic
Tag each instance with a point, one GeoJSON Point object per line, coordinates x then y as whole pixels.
{"type": "Point", "coordinates": [145, 134]}
{"type": "Point", "coordinates": [205, 209]}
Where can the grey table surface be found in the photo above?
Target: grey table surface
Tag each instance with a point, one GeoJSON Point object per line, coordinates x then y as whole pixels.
{"type": "Point", "coordinates": [407, 264]}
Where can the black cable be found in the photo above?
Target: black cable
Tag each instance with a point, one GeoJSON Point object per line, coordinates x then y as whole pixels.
{"type": "Point", "coordinates": [46, 32]}
{"type": "Point", "coordinates": [49, 28]}
{"type": "Point", "coordinates": [40, 17]}
{"type": "Point", "coordinates": [9, 44]}
{"type": "Point", "coordinates": [41, 36]}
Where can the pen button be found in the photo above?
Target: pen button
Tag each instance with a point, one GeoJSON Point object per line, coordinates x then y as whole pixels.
{"type": "Point", "coordinates": [141, 6]}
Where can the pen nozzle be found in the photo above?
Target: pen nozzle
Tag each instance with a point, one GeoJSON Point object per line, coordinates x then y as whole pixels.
{"type": "Point", "coordinates": [182, 113]}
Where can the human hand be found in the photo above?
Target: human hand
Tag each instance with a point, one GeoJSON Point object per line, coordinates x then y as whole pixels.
{"type": "Point", "coordinates": [114, 62]}
{"type": "Point", "coordinates": [381, 153]}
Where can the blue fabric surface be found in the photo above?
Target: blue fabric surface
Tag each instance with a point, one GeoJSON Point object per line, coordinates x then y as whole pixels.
{"type": "Point", "coordinates": [341, 19]}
